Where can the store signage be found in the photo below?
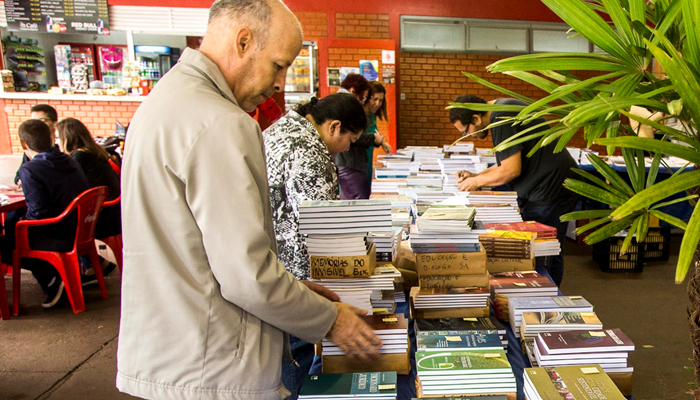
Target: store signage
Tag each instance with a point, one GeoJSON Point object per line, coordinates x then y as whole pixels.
{"type": "Point", "coordinates": [58, 16]}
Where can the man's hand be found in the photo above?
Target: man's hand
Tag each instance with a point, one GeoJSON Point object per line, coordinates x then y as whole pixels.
{"type": "Point", "coordinates": [469, 184]}
{"type": "Point", "coordinates": [462, 175]}
{"type": "Point", "coordinates": [322, 290]}
{"type": "Point", "coordinates": [353, 335]}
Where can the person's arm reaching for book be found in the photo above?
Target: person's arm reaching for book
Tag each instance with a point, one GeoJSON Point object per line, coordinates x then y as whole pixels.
{"type": "Point", "coordinates": [496, 175]}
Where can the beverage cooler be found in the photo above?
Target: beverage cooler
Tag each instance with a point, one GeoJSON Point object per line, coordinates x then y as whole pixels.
{"type": "Point", "coordinates": [155, 61]}
{"type": "Point", "coordinates": [75, 65]}
{"type": "Point", "coordinates": [111, 61]}
{"type": "Point", "coordinates": [302, 76]}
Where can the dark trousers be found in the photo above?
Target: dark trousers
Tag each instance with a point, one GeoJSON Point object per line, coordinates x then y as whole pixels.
{"type": "Point", "coordinates": [292, 374]}
{"type": "Point", "coordinates": [43, 272]}
{"type": "Point", "coordinates": [353, 184]}
{"type": "Point", "coordinates": [549, 214]}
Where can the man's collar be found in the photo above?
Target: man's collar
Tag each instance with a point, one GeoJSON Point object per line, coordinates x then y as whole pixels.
{"type": "Point", "coordinates": [207, 67]}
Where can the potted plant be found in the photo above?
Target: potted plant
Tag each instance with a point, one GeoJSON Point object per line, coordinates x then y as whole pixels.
{"type": "Point", "coordinates": [631, 34]}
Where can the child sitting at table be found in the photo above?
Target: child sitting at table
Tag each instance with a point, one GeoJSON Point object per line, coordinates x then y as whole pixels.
{"type": "Point", "coordinates": [51, 180]}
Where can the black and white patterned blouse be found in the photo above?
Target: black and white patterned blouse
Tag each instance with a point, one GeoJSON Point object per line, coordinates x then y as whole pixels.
{"type": "Point", "coordinates": [299, 167]}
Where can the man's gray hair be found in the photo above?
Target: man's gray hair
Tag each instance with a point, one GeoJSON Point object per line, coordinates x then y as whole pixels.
{"type": "Point", "coordinates": [257, 14]}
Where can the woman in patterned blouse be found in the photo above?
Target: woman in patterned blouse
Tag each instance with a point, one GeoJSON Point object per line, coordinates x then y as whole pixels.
{"type": "Point", "coordinates": [298, 149]}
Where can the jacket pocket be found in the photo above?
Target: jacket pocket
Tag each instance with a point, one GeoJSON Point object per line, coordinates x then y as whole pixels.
{"type": "Point", "coordinates": [240, 346]}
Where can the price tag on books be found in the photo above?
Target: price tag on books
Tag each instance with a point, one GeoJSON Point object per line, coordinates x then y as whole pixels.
{"type": "Point", "coordinates": [387, 387]}
{"type": "Point", "coordinates": [590, 370]}
{"type": "Point", "coordinates": [597, 334]}
{"type": "Point", "coordinates": [391, 320]}
{"type": "Point", "coordinates": [575, 297]}
{"type": "Point", "coordinates": [471, 319]}
{"type": "Point", "coordinates": [380, 310]}
{"type": "Point", "coordinates": [453, 338]}
{"type": "Point", "coordinates": [527, 272]}
{"type": "Point", "coordinates": [492, 355]}
{"type": "Point", "coordinates": [588, 314]}
{"type": "Point", "coordinates": [519, 284]}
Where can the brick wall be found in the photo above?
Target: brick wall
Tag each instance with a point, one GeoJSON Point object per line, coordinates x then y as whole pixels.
{"type": "Point", "coordinates": [431, 81]}
{"type": "Point", "coordinates": [98, 116]}
{"type": "Point", "coordinates": [315, 24]}
{"type": "Point", "coordinates": [362, 26]}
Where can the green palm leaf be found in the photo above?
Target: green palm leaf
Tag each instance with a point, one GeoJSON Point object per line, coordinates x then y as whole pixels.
{"type": "Point", "coordinates": [593, 192]}
{"type": "Point", "coordinates": [689, 245]}
{"type": "Point", "coordinates": [653, 145]}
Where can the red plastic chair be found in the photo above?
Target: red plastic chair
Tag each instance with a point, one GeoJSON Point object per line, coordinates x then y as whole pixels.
{"type": "Point", "coordinates": [4, 306]}
{"type": "Point", "coordinates": [88, 205]}
{"type": "Point", "coordinates": [114, 242]}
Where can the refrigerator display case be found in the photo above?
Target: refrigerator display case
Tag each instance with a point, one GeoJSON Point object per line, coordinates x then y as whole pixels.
{"type": "Point", "coordinates": [302, 76]}
{"type": "Point", "coordinates": [70, 55]}
{"type": "Point", "coordinates": [111, 61]}
{"type": "Point", "coordinates": [155, 61]}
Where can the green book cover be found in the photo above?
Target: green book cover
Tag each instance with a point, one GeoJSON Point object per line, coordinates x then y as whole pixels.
{"type": "Point", "coordinates": [363, 383]}
{"type": "Point", "coordinates": [580, 382]}
{"type": "Point", "coordinates": [462, 362]}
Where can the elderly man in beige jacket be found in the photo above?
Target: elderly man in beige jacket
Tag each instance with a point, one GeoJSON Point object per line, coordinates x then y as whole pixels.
{"type": "Point", "coordinates": [205, 302]}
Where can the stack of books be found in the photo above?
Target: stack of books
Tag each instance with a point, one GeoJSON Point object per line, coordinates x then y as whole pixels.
{"type": "Point", "coordinates": [392, 174]}
{"type": "Point", "coordinates": [446, 219]}
{"type": "Point", "coordinates": [534, 323]}
{"type": "Point", "coordinates": [459, 148]}
{"type": "Point", "coordinates": [392, 330]}
{"type": "Point", "coordinates": [579, 382]}
{"type": "Point", "coordinates": [387, 244]}
{"type": "Point", "coordinates": [609, 348]}
{"type": "Point", "coordinates": [365, 385]}
{"type": "Point", "coordinates": [424, 180]}
{"type": "Point", "coordinates": [507, 285]}
{"type": "Point", "coordinates": [336, 245]}
{"type": "Point", "coordinates": [344, 217]}
{"type": "Point", "coordinates": [491, 197]}
{"type": "Point", "coordinates": [388, 186]}
{"type": "Point", "coordinates": [497, 213]}
{"type": "Point", "coordinates": [446, 242]}
{"type": "Point", "coordinates": [518, 305]}
{"type": "Point", "coordinates": [358, 291]}
{"type": "Point", "coordinates": [450, 303]}
{"type": "Point", "coordinates": [450, 166]}
{"type": "Point", "coordinates": [464, 373]}
{"type": "Point", "coordinates": [489, 324]}
{"type": "Point", "coordinates": [508, 244]}
{"type": "Point", "coordinates": [426, 195]}
{"type": "Point", "coordinates": [458, 341]}
{"type": "Point", "coordinates": [546, 243]}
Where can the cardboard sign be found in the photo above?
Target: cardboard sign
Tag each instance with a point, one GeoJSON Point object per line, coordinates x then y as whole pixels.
{"type": "Point", "coordinates": [453, 281]}
{"type": "Point", "coordinates": [473, 263]}
{"type": "Point", "coordinates": [494, 264]}
{"type": "Point", "coordinates": [344, 267]}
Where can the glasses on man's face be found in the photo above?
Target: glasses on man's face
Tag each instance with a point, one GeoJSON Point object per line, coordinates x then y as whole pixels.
{"type": "Point", "coordinates": [44, 119]}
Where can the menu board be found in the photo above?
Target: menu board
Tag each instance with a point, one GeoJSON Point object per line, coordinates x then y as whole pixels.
{"type": "Point", "coordinates": [58, 16]}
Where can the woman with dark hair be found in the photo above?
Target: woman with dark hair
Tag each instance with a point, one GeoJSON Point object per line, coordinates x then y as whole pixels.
{"type": "Point", "coordinates": [76, 141]}
{"type": "Point", "coordinates": [375, 107]}
{"type": "Point", "coordinates": [298, 150]}
{"type": "Point", "coordinates": [352, 164]}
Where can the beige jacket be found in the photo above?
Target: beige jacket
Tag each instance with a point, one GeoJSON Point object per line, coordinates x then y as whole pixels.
{"type": "Point", "coordinates": [204, 300]}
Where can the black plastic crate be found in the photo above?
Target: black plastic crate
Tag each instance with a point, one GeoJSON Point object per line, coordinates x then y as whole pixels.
{"type": "Point", "coordinates": [607, 255]}
{"type": "Point", "coordinates": [657, 244]}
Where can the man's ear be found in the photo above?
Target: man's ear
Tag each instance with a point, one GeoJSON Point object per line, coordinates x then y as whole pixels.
{"type": "Point", "coordinates": [244, 41]}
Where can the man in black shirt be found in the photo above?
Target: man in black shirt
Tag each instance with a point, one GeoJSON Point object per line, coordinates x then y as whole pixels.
{"type": "Point", "coordinates": [537, 180]}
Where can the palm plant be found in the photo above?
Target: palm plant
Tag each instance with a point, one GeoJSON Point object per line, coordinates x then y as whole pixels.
{"type": "Point", "coordinates": [634, 33]}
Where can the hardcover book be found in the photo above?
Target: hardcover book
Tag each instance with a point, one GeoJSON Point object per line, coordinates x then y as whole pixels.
{"type": "Point", "coordinates": [367, 385]}
{"type": "Point", "coordinates": [584, 382]}
{"type": "Point", "coordinates": [462, 342]}
{"type": "Point", "coordinates": [593, 341]}
{"type": "Point", "coordinates": [462, 362]}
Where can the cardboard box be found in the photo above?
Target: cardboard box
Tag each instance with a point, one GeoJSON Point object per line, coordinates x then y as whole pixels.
{"type": "Point", "coordinates": [473, 263]}
{"type": "Point", "coordinates": [401, 363]}
{"type": "Point", "coordinates": [344, 267]}
{"type": "Point", "coordinates": [420, 395]}
{"type": "Point", "coordinates": [623, 381]}
{"type": "Point", "coordinates": [494, 265]}
{"type": "Point", "coordinates": [453, 281]}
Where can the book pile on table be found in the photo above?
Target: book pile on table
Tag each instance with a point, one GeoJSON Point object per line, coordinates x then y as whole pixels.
{"type": "Point", "coordinates": [391, 174]}
{"type": "Point", "coordinates": [400, 208]}
{"type": "Point", "coordinates": [426, 153]}
{"type": "Point", "coordinates": [491, 197]}
{"type": "Point", "coordinates": [426, 195]}
{"type": "Point", "coordinates": [466, 148]}
{"type": "Point", "coordinates": [507, 285]}
{"type": "Point", "coordinates": [534, 323]}
{"type": "Point", "coordinates": [359, 291]}
{"type": "Point", "coordinates": [388, 186]}
{"type": "Point", "coordinates": [424, 180]}
{"type": "Point", "coordinates": [463, 373]}
{"type": "Point", "coordinates": [486, 154]}
{"type": "Point", "coordinates": [392, 330]}
{"type": "Point", "coordinates": [497, 213]}
{"type": "Point", "coordinates": [450, 302]}
{"type": "Point", "coordinates": [450, 166]}
{"type": "Point", "coordinates": [518, 305]}
{"type": "Point", "coordinates": [365, 385]}
{"type": "Point", "coordinates": [344, 217]}
{"type": "Point", "coordinates": [446, 219]}
{"type": "Point", "coordinates": [609, 348]}
{"type": "Point", "coordinates": [459, 325]}
{"type": "Point", "coordinates": [546, 243]}
{"type": "Point", "coordinates": [573, 382]}
{"type": "Point", "coordinates": [387, 244]}
{"type": "Point", "coordinates": [458, 341]}
{"type": "Point", "coordinates": [508, 244]}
